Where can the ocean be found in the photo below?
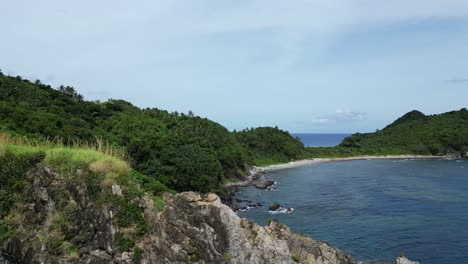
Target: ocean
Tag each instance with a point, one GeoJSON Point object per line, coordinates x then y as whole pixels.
{"type": "Point", "coordinates": [375, 209]}
{"type": "Point", "coordinates": [320, 140]}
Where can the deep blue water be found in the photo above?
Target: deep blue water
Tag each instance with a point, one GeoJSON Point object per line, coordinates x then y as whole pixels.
{"type": "Point", "coordinates": [321, 140]}
{"type": "Point", "coordinates": [375, 209]}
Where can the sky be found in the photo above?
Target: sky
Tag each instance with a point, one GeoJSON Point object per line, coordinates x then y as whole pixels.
{"type": "Point", "coordinates": [322, 66]}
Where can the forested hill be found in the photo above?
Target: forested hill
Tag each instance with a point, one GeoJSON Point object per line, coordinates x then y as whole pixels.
{"type": "Point", "coordinates": [269, 145]}
{"type": "Point", "coordinates": [183, 151]}
{"type": "Point", "coordinates": [417, 133]}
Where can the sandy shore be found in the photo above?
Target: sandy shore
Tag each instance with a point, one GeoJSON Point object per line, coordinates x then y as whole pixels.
{"type": "Point", "coordinates": [300, 163]}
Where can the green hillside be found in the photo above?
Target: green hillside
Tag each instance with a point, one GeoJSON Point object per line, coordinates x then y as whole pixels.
{"type": "Point", "coordinates": [269, 145]}
{"type": "Point", "coordinates": [413, 133]}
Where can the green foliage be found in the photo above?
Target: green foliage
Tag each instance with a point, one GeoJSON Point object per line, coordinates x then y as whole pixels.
{"type": "Point", "coordinates": [196, 255]}
{"type": "Point", "coordinates": [70, 250]}
{"type": "Point", "coordinates": [65, 223]}
{"type": "Point", "coordinates": [137, 255]}
{"type": "Point", "coordinates": [129, 214]}
{"type": "Point", "coordinates": [196, 169]}
{"type": "Point", "coordinates": [296, 258]}
{"type": "Point", "coordinates": [415, 133]}
{"type": "Point", "coordinates": [159, 203]}
{"type": "Point", "coordinates": [267, 145]}
{"type": "Point", "coordinates": [7, 230]}
{"type": "Point", "coordinates": [14, 163]}
{"type": "Point", "coordinates": [55, 244]}
{"type": "Point", "coordinates": [124, 243]}
{"type": "Point", "coordinates": [269, 220]}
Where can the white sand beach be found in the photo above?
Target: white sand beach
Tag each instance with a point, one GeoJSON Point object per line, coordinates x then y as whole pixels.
{"type": "Point", "coordinates": [305, 162]}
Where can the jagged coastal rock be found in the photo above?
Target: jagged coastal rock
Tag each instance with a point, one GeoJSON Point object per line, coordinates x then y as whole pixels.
{"type": "Point", "coordinates": [191, 228]}
{"type": "Point", "coordinates": [199, 228]}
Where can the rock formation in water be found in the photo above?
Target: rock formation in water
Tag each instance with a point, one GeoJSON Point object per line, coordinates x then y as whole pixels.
{"type": "Point", "coordinates": [404, 260]}
{"type": "Point", "coordinates": [192, 228]}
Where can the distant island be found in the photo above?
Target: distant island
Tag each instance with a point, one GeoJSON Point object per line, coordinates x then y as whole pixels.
{"type": "Point", "coordinates": [99, 180]}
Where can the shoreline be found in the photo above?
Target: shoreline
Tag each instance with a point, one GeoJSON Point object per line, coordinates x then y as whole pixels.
{"type": "Point", "coordinates": [305, 162]}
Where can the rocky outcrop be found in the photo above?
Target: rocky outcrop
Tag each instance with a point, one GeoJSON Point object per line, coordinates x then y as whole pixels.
{"type": "Point", "coordinates": [404, 260]}
{"type": "Point", "coordinates": [256, 176]}
{"type": "Point", "coordinates": [89, 227]}
{"type": "Point", "coordinates": [199, 228]}
{"type": "Point", "coordinates": [67, 220]}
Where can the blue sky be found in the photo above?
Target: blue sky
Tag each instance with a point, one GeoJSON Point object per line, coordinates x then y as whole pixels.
{"type": "Point", "coordinates": [305, 66]}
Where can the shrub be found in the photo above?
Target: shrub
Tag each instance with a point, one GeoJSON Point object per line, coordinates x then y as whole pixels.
{"type": "Point", "coordinates": [137, 255]}
{"type": "Point", "coordinates": [124, 243]}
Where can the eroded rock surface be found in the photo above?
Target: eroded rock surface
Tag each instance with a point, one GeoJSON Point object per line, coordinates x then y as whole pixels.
{"type": "Point", "coordinates": [199, 228]}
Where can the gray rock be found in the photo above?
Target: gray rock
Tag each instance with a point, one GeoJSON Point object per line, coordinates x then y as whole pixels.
{"type": "Point", "coordinates": [404, 260]}
{"type": "Point", "coordinates": [260, 180]}
{"type": "Point", "coordinates": [116, 190]}
{"type": "Point", "coordinates": [199, 228]}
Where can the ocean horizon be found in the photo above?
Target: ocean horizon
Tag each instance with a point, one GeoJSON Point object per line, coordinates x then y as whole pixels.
{"type": "Point", "coordinates": [321, 139]}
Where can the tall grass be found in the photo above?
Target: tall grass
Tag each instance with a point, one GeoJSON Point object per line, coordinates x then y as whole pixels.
{"type": "Point", "coordinates": [99, 145]}
{"type": "Point", "coordinates": [99, 157]}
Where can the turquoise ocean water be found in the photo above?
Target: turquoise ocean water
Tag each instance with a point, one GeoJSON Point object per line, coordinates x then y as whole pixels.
{"type": "Point", "coordinates": [375, 209]}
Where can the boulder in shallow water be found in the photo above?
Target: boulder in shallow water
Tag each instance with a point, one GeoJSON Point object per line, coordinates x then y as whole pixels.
{"type": "Point", "coordinates": [274, 207]}
{"type": "Point", "coordinates": [261, 181]}
{"type": "Point", "coordinates": [404, 260]}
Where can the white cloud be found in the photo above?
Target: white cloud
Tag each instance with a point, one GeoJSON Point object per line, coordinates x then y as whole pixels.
{"type": "Point", "coordinates": [340, 116]}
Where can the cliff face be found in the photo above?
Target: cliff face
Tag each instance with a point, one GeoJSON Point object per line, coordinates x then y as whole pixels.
{"type": "Point", "coordinates": [199, 228]}
{"type": "Point", "coordinates": [192, 228]}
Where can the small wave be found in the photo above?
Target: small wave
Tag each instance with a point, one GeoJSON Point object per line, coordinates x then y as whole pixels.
{"type": "Point", "coordinates": [282, 210]}
{"type": "Point", "coordinates": [459, 161]}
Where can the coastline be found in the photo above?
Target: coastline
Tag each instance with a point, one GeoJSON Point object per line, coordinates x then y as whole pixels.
{"type": "Point", "coordinates": [251, 177]}
{"type": "Point", "coordinates": [305, 162]}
